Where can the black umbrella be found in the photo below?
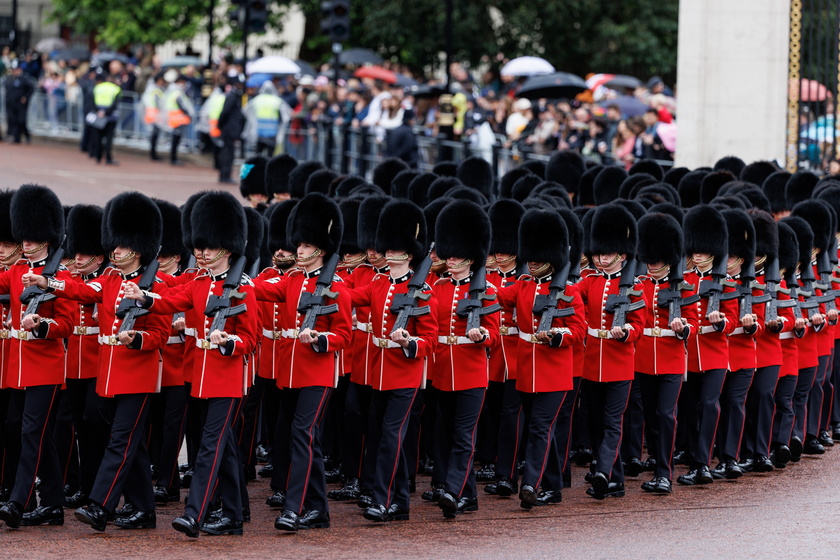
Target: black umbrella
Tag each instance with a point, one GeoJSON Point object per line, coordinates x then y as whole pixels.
{"type": "Point", "coordinates": [101, 58]}
{"type": "Point", "coordinates": [404, 81]}
{"type": "Point", "coordinates": [306, 68]}
{"type": "Point", "coordinates": [629, 105]}
{"type": "Point", "coordinates": [622, 81]}
{"type": "Point", "coordinates": [426, 91]}
{"type": "Point", "coordinates": [359, 57]}
{"type": "Point", "coordinates": [552, 86]}
{"type": "Point", "coordinates": [73, 53]}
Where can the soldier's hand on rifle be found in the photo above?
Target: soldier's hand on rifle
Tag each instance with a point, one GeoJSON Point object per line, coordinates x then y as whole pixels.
{"type": "Point", "coordinates": [400, 336]}
{"type": "Point", "coordinates": [832, 315]}
{"type": "Point", "coordinates": [477, 335]}
{"type": "Point", "coordinates": [817, 319]}
{"type": "Point", "coordinates": [179, 324]}
{"type": "Point", "coordinates": [219, 338]}
{"type": "Point", "coordinates": [127, 337]}
{"type": "Point", "coordinates": [30, 322]}
{"type": "Point", "coordinates": [619, 333]}
{"type": "Point", "coordinates": [774, 326]}
{"type": "Point", "coordinates": [715, 317]}
{"type": "Point", "coordinates": [678, 325]}
{"type": "Point", "coordinates": [800, 323]}
{"type": "Point", "coordinates": [544, 337]}
{"type": "Point", "coordinates": [32, 279]}
{"type": "Point", "coordinates": [133, 291]}
{"type": "Point", "coordinates": [748, 321]}
{"type": "Point", "coordinates": [308, 336]}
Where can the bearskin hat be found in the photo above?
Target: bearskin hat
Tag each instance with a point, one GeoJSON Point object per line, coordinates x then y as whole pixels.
{"type": "Point", "coordinates": [674, 175]}
{"type": "Point", "coordinates": [535, 166]}
{"type": "Point", "coordinates": [660, 239]}
{"type": "Point", "coordinates": [509, 179]}
{"type": "Point", "coordinates": [613, 231]}
{"type": "Point", "coordinates": [635, 207]}
{"type": "Point", "coordinates": [648, 166]}
{"type": "Point", "coordinates": [544, 237]}
{"type": "Point", "coordinates": [399, 186]}
{"type": "Point", "coordinates": [347, 184]}
{"type": "Point", "coordinates": [84, 230]}
{"type": "Point", "coordinates": [350, 215]}
{"type": "Point", "coordinates": [132, 220]}
{"type": "Point", "coordinates": [256, 233]}
{"type": "Point", "coordinates": [37, 215]}
{"type": "Point", "coordinates": [186, 219]}
{"type": "Point", "coordinates": [418, 189]}
{"type": "Point", "coordinates": [766, 234]}
{"type": "Point", "coordinates": [299, 175]}
{"type": "Point", "coordinates": [734, 165]}
{"type": "Point", "coordinates": [6, 216]}
{"type": "Point", "coordinates": [725, 202]}
{"type": "Point", "coordinates": [441, 186]}
{"type": "Point", "coordinates": [445, 169]}
{"type": "Point", "coordinates": [320, 181]}
{"type": "Point", "coordinates": [658, 192]}
{"type": "Point", "coordinates": [218, 222]}
{"type": "Point", "coordinates": [757, 172]}
{"type": "Point", "coordinates": [525, 186]}
{"type": "Point", "coordinates": [385, 172]}
{"type": "Point", "coordinates": [818, 216]}
{"type": "Point", "coordinates": [554, 192]}
{"type": "Point", "coordinates": [825, 183]}
{"type": "Point", "coordinates": [799, 187]}
{"type": "Point", "coordinates": [831, 197]}
{"type": "Point", "coordinates": [505, 215]}
{"type": "Point", "coordinates": [369, 211]}
{"type": "Point", "coordinates": [633, 183]}
{"type": "Point", "coordinates": [774, 189]}
{"type": "Point", "coordinates": [788, 247]}
{"type": "Point", "coordinates": [277, 222]}
{"type": "Point", "coordinates": [712, 184]}
{"type": "Point", "coordinates": [741, 234]}
{"type": "Point", "coordinates": [586, 187]}
{"type": "Point", "coordinates": [565, 167]}
{"type": "Point", "coordinates": [704, 231]}
{"type": "Point", "coordinates": [607, 184]}
{"type": "Point", "coordinates": [432, 211]}
{"type": "Point", "coordinates": [402, 227]}
{"type": "Point", "coordinates": [316, 220]}
{"type": "Point", "coordinates": [171, 241]}
{"type": "Point", "coordinates": [466, 193]}
{"type": "Point", "coordinates": [575, 230]}
{"type": "Point", "coordinates": [252, 177]}
{"type": "Point", "coordinates": [277, 171]}
{"type": "Point", "coordinates": [666, 208]}
{"type": "Point", "coordinates": [689, 188]}
{"type": "Point", "coordinates": [476, 173]}
{"type": "Point", "coordinates": [753, 196]}
{"type": "Point", "coordinates": [462, 230]}
{"type": "Point", "coordinates": [804, 237]}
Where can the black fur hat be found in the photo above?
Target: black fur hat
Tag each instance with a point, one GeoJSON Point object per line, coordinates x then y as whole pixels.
{"type": "Point", "coordinates": [713, 183]}
{"type": "Point", "coordinates": [84, 230]}
{"type": "Point", "coordinates": [660, 239]}
{"type": "Point", "coordinates": [586, 187]}
{"type": "Point", "coordinates": [218, 222]}
{"type": "Point", "coordinates": [476, 173]}
{"type": "Point", "coordinates": [613, 231]}
{"type": "Point", "coordinates": [635, 208]}
{"type": "Point", "coordinates": [704, 231]}
{"type": "Point", "coordinates": [466, 193]}
{"type": "Point", "coordinates": [402, 227]}
{"type": "Point", "coordinates": [6, 216]}
{"type": "Point", "coordinates": [565, 167]}
{"type": "Point", "coordinates": [347, 184]}
{"type": "Point", "coordinates": [509, 179]}
{"type": "Point", "coordinates": [385, 172]}
{"type": "Point", "coordinates": [462, 230]}
{"type": "Point", "coordinates": [799, 187]}
{"type": "Point", "coordinates": [535, 166]}
{"type": "Point", "coordinates": [369, 211]}
{"type": "Point", "coordinates": [741, 232]}
{"type": "Point", "coordinates": [445, 169]}
{"type": "Point", "coordinates": [350, 214]}
{"type": "Point", "coordinates": [299, 175]}
{"type": "Point", "coordinates": [766, 233]}
{"type": "Point", "coordinates": [132, 220]}
{"type": "Point", "coordinates": [666, 208]}
{"type": "Point", "coordinates": [674, 175]}
{"type": "Point", "coordinates": [432, 211]}
{"type": "Point", "coordinates": [418, 189]}
{"type": "Point", "coordinates": [774, 189]}
{"type": "Point", "coordinates": [831, 196]}
{"type": "Point", "coordinates": [757, 172]}
{"type": "Point", "coordinates": [633, 183]}
{"type": "Point", "coordinates": [575, 230]}
{"type": "Point", "coordinates": [186, 222]}
{"type": "Point", "coordinates": [316, 220]}
{"type": "Point", "coordinates": [554, 191]}
{"type": "Point", "coordinates": [725, 202]}
{"type": "Point", "coordinates": [277, 222]}
{"type": "Point", "coordinates": [320, 181]}
{"type": "Point", "coordinates": [734, 165]}
{"type": "Point", "coordinates": [788, 246]}
{"type": "Point", "coordinates": [277, 171]}
{"type": "Point", "coordinates": [441, 186]}
{"type": "Point", "coordinates": [505, 215]}
{"type": "Point", "coordinates": [256, 233]}
{"type": "Point", "coordinates": [171, 241]}
{"type": "Point", "coordinates": [804, 239]}
{"type": "Point", "coordinates": [37, 215]}
{"type": "Point", "coordinates": [544, 237]}
{"type": "Point", "coordinates": [826, 182]}
{"type": "Point", "coordinates": [252, 176]}
{"type": "Point", "coordinates": [658, 192]}
{"type": "Point", "coordinates": [525, 186]}
{"type": "Point", "coordinates": [607, 184]}
{"type": "Point", "coordinates": [399, 186]}
{"type": "Point", "coordinates": [818, 216]}
{"type": "Point", "coordinates": [648, 166]}
{"type": "Point", "coordinates": [753, 196]}
{"type": "Point", "coordinates": [689, 188]}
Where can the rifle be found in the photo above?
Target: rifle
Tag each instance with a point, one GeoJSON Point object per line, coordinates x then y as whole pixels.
{"type": "Point", "coordinates": [472, 307]}
{"type": "Point", "coordinates": [712, 289]}
{"type": "Point", "coordinates": [128, 309]}
{"type": "Point", "coordinates": [824, 269]}
{"type": "Point", "coordinates": [33, 296]}
{"type": "Point", "coordinates": [255, 268]}
{"type": "Point", "coordinates": [619, 304]}
{"type": "Point", "coordinates": [745, 289]}
{"type": "Point", "coordinates": [672, 297]}
{"type": "Point", "coordinates": [221, 307]}
{"type": "Point", "coordinates": [545, 305]}
{"type": "Point", "coordinates": [313, 303]}
{"type": "Point", "coordinates": [772, 279]}
{"type": "Point", "coordinates": [407, 305]}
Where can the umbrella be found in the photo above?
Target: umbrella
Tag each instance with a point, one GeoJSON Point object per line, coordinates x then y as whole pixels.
{"type": "Point", "coordinates": [622, 81]}
{"type": "Point", "coordinates": [405, 82]}
{"type": "Point", "coordinates": [50, 44]}
{"type": "Point", "coordinates": [256, 80]}
{"type": "Point", "coordinates": [809, 90]}
{"type": "Point", "coordinates": [100, 58]}
{"type": "Point", "coordinates": [552, 86]}
{"type": "Point", "coordinates": [73, 53]}
{"type": "Point", "coordinates": [273, 65]}
{"type": "Point", "coordinates": [629, 105]}
{"type": "Point", "coordinates": [181, 61]}
{"type": "Point", "coordinates": [359, 57]}
{"type": "Point", "coordinates": [527, 66]}
{"type": "Point", "coordinates": [376, 73]}
{"type": "Point", "coordinates": [305, 68]}
{"type": "Point", "coordinates": [426, 91]}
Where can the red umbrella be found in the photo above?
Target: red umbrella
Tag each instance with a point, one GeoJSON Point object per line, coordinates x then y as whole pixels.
{"type": "Point", "coordinates": [376, 73]}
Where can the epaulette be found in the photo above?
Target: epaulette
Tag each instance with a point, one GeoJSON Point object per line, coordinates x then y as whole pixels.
{"type": "Point", "coordinates": [379, 275]}
{"type": "Point", "coordinates": [110, 271]}
{"type": "Point", "coordinates": [266, 269]}
{"type": "Point", "coordinates": [246, 280]}
{"type": "Point", "coordinates": [527, 277]}
{"type": "Point", "coordinates": [337, 278]}
{"type": "Point", "coordinates": [158, 280]}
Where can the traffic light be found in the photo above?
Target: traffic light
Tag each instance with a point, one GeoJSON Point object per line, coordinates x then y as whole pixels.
{"type": "Point", "coordinates": [335, 20]}
{"type": "Point", "coordinates": [257, 16]}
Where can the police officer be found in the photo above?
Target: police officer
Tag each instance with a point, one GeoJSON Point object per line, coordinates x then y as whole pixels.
{"type": "Point", "coordinates": [106, 99]}
{"type": "Point", "coordinates": [153, 104]}
{"type": "Point", "coordinates": [264, 116]}
{"type": "Point", "coordinates": [178, 111]}
{"type": "Point", "coordinates": [231, 122]}
{"type": "Point", "coordinates": [19, 90]}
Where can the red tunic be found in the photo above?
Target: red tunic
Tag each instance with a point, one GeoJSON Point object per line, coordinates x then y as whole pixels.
{"type": "Point", "coordinates": [361, 355]}
{"type": "Point", "coordinates": [807, 347]}
{"type": "Point", "coordinates": [273, 347]}
{"type": "Point", "coordinates": [190, 322]}
{"type": "Point", "coordinates": [83, 342]}
{"type": "Point", "coordinates": [710, 348]}
{"type": "Point", "coordinates": [742, 346]}
{"type": "Point", "coordinates": [659, 351]}
{"type": "Point", "coordinates": [540, 367]}
{"type": "Point", "coordinates": [768, 346]}
{"type": "Point", "coordinates": [503, 358]}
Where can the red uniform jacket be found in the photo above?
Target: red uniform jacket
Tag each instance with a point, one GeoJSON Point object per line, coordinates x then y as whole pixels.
{"type": "Point", "coordinates": [825, 336]}
{"type": "Point", "coordinates": [807, 346]}
{"type": "Point", "coordinates": [122, 370]}
{"type": "Point", "coordinates": [83, 342]}
{"type": "Point", "coordinates": [189, 347]}
{"type": "Point", "coordinates": [608, 359]}
{"type": "Point", "coordinates": [273, 347]}
{"type": "Point", "coordinates": [308, 365]}
{"type": "Point", "coordinates": [542, 367]}
{"type": "Point", "coordinates": [461, 364]}
{"type": "Point", "coordinates": [503, 358]}
{"type": "Point", "coordinates": [361, 354]}
{"type": "Point", "coordinates": [659, 351]}
{"type": "Point", "coordinates": [392, 367]}
{"type": "Point", "coordinates": [768, 346]}
{"type": "Point", "coordinates": [710, 348]}
{"type": "Point", "coordinates": [217, 372]}
{"type": "Point", "coordinates": [742, 345]}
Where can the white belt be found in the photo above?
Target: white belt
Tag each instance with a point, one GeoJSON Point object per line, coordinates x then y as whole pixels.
{"type": "Point", "coordinates": [84, 331]}
{"type": "Point", "coordinates": [189, 331]}
{"type": "Point", "coordinates": [364, 327]}
{"type": "Point", "coordinates": [509, 331]}
{"type": "Point", "coordinates": [290, 333]}
{"type": "Point", "coordinates": [657, 332]}
{"type": "Point", "coordinates": [22, 335]}
{"type": "Point", "coordinates": [738, 330]}
{"type": "Point", "coordinates": [786, 335]}
{"type": "Point", "coordinates": [175, 340]}
{"type": "Point", "coordinates": [205, 344]}
{"type": "Point", "coordinates": [708, 329]}
{"type": "Point", "coordinates": [528, 337]}
{"type": "Point", "coordinates": [272, 335]}
{"type": "Point", "coordinates": [109, 340]}
{"type": "Point", "coordinates": [454, 340]}
{"type": "Point", "coordinates": [600, 333]}
{"type": "Point", "coordinates": [384, 343]}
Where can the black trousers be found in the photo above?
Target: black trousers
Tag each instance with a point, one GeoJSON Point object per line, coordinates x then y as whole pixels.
{"type": "Point", "coordinates": [607, 404]}
{"type": "Point", "coordinates": [103, 141]}
{"type": "Point", "coordinates": [828, 394]}
{"type": "Point", "coordinates": [411, 446]}
{"type": "Point", "coordinates": [804, 383]}
{"type": "Point", "coordinates": [815, 398]}
{"type": "Point", "coordinates": [457, 428]}
{"type": "Point", "coordinates": [332, 429]}
{"type": "Point", "coordinates": [125, 467]}
{"type": "Point", "coordinates": [302, 411]}
{"type": "Point", "coordinates": [249, 421]}
{"type": "Point", "coordinates": [702, 395]}
{"type": "Point", "coordinates": [16, 115]}
{"type": "Point", "coordinates": [153, 141]}
{"type": "Point", "coordinates": [38, 457]}
{"type": "Point", "coordinates": [660, 394]}
{"type": "Point", "coordinates": [760, 408]}
{"type": "Point", "coordinates": [11, 430]}
{"type": "Point", "coordinates": [558, 474]}
{"type": "Point", "coordinates": [540, 411]}
{"type": "Point", "coordinates": [835, 382]}
{"type": "Point", "coordinates": [168, 422]}
{"type": "Point", "coordinates": [217, 464]}
{"type": "Point", "coordinates": [511, 420]}
{"type": "Point", "coordinates": [176, 141]}
{"type": "Point", "coordinates": [488, 423]}
{"type": "Point", "coordinates": [5, 441]}
{"type": "Point", "coordinates": [634, 423]}
{"type": "Point", "coordinates": [733, 400]}
{"type": "Point", "coordinates": [431, 445]}
{"type": "Point", "coordinates": [92, 426]}
{"type": "Point", "coordinates": [64, 437]}
{"type": "Point", "coordinates": [784, 417]}
{"type": "Point", "coordinates": [226, 154]}
{"type": "Point", "coordinates": [196, 412]}
{"type": "Point", "coordinates": [356, 409]}
{"type": "Point", "coordinates": [391, 412]}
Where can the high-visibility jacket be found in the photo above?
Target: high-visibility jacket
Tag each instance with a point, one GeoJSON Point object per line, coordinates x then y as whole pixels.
{"type": "Point", "coordinates": [266, 108]}
{"type": "Point", "coordinates": [152, 100]}
{"type": "Point", "coordinates": [104, 94]}
{"type": "Point", "coordinates": [215, 103]}
{"type": "Point", "coordinates": [175, 116]}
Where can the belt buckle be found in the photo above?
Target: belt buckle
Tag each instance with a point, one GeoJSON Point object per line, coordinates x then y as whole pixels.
{"type": "Point", "coordinates": [383, 343]}
{"type": "Point", "coordinates": [452, 339]}
{"type": "Point", "coordinates": [4, 333]}
{"type": "Point", "coordinates": [81, 330]}
{"type": "Point", "coordinates": [276, 335]}
{"type": "Point", "coordinates": [113, 341]}
{"type": "Point", "coordinates": [369, 328]}
{"type": "Point", "coordinates": [205, 345]}
{"type": "Point", "coordinates": [296, 333]}
{"type": "Point", "coordinates": [22, 335]}
{"type": "Point", "coordinates": [534, 339]}
{"type": "Point", "coordinates": [603, 333]}
{"type": "Point", "coordinates": [656, 331]}
{"type": "Point", "coordinates": [503, 331]}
